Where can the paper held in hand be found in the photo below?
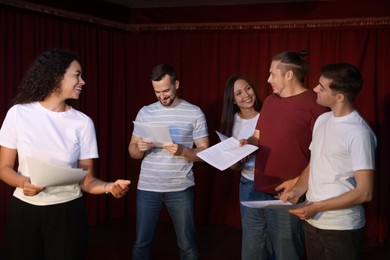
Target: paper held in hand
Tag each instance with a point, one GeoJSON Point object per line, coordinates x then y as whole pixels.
{"type": "Point", "coordinates": [272, 204]}
{"type": "Point", "coordinates": [157, 134]}
{"type": "Point", "coordinates": [46, 174]}
{"type": "Point", "coordinates": [226, 153]}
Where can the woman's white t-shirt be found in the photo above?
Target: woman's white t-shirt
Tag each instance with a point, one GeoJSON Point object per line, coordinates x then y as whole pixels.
{"type": "Point", "coordinates": [59, 138]}
{"type": "Point", "coordinates": [243, 129]}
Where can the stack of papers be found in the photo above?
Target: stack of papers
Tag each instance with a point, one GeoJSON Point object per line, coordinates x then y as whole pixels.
{"type": "Point", "coordinates": [226, 153]}
{"type": "Point", "coordinates": [46, 175]}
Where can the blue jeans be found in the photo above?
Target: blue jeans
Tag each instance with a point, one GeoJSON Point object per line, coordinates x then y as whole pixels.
{"type": "Point", "coordinates": [180, 206]}
{"type": "Point", "coordinates": [284, 230]}
{"type": "Point", "coordinates": [245, 188]}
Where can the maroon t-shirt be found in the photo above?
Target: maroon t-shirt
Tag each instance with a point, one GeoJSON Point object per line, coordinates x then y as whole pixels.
{"type": "Point", "coordinates": [285, 126]}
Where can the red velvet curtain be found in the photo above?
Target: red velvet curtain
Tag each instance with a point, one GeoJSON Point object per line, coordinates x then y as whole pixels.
{"type": "Point", "coordinates": [117, 62]}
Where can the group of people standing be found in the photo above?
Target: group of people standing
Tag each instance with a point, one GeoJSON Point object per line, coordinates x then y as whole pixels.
{"type": "Point", "coordinates": [314, 147]}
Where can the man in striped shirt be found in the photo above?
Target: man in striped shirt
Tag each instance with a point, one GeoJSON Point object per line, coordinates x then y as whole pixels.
{"type": "Point", "coordinates": [166, 176]}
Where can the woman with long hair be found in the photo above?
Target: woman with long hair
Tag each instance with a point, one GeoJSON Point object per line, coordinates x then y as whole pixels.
{"type": "Point", "coordinates": [50, 222]}
{"type": "Point", "coordinates": [241, 109]}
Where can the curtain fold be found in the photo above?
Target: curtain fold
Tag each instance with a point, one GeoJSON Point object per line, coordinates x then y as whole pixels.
{"type": "Point", "coordinates": [116, 65]}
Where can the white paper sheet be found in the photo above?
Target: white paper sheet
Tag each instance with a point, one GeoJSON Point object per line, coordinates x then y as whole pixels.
{"type": "Point", "coordinates": [45, 174]}
{"type": "Point", "coordinates": [156, 134]}
{"type": "Point", "coordinates": [221, 136]}
{"type": "Point", "coordinates": [272, 204]}
{"type": "Point", "coordinates": [226, 153]}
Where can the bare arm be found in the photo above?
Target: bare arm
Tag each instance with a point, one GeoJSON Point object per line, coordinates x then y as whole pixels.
{"type": "Point", "coordinates": [94, 185]}
{"type": "Point", "coordinates": [360, 194]}
{"type": "Point", "coordinates": [292, 192]}
{"type": "Point", "coordinates": [189, 154]}
{"type": "Point", "coordinates": [286, 186]}
{"type": "Point", "coordinates": [253, 140]}
{"type": "Point", "coordinates": [138, 147]}
{"type": "Point", "coordinates": [11, 177]}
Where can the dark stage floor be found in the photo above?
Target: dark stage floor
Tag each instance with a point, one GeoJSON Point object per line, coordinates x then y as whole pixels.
{"type": "Point", "coordinates": [114, 240]}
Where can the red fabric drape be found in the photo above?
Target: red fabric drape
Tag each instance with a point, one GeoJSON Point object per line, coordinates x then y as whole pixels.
{"type": "Point", "coordinates": [116, 66]}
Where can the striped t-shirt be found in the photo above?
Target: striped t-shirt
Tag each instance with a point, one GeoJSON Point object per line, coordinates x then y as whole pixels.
{"type": "Point", "coordinates": [162, 171]}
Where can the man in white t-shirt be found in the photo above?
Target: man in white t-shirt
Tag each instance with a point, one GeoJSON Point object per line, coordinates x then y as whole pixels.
{"type": "Point", "coordinates": [339, 177]}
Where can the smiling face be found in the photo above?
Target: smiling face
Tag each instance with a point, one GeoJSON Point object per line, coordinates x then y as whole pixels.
{"type": "Point", "coordinates": [72, 83]}
{"type": "Point", "coordinates": [165, 91]}
{"type": "Point", "coordinates": [244, 95]}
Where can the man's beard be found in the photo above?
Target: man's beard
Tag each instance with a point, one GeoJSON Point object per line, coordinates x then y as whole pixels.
{"type": "Point", "coordinates": [170, 101]}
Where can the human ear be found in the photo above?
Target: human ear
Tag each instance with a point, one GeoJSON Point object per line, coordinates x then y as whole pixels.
{"type": "Point", "coordinates": [177, 83]}
{"type": "Point", "coordinates": [289, 74]}
{"type": "Point", "coordinates": [340, 97]}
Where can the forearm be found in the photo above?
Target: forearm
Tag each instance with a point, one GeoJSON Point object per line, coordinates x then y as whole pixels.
{"type": "Point", "coordinates": [190, 154]}
{"type": "Point", "coordinates": [345, 200]}
{"type": "Point", "coordinates": [302, 182]}
{"type": "Point", "coordinates": [292, 190]}
{"type": "Point", "coordinates": [12, 178]}
{"type": "Point", "coordinates": [253, 141]}
{"type": "Point", "coordinates": [95, 186]}
{"type": "Point", "coordinates": [358, 195]}
{"type": "Point", "coordinates": [135, 152]}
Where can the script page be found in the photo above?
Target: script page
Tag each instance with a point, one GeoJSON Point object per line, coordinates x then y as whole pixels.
{"type": "Point", "coordinates": [272, 204]}
{"type": "Point", "coordinates": [221, 136]}
{"type": "Point", "coordinates": [157, 134]}
{"type": "Point", "coordinates": [226, 153]}
{"type": "Point", "coordinates": [46, 175]}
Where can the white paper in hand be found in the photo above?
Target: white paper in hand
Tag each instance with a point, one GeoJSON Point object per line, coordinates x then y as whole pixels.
{"type": "Point", "coordinates": [226, 153]}
{"type": "Point", "coordinates": [271, 204]}
{"type": "Point", "coordinates": [221, 136]}
{"type": "Point", "coordinates": [46, 175]}
{"type": "Point", "coordinates": [157, 134]}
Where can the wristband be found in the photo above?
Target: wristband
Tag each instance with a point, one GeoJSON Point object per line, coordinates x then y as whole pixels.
{"type": "Point", "coordinates": [104, 189]}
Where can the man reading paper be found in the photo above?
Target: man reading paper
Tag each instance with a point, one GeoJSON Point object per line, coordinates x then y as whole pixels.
{"type": "Point", "coordinates": [166, 176]}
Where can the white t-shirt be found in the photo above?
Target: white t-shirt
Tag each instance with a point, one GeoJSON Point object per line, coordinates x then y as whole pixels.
{"type": "Point", "coordinates": [340, 146]}
{"type": "Point", "coordinates": [243, 129]}
{"type": "Point", "coordinates": [60, 138]}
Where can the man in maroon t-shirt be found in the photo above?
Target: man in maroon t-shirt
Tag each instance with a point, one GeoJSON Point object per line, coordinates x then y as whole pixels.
{"type": "Point", "coordinates": [285, 124]}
